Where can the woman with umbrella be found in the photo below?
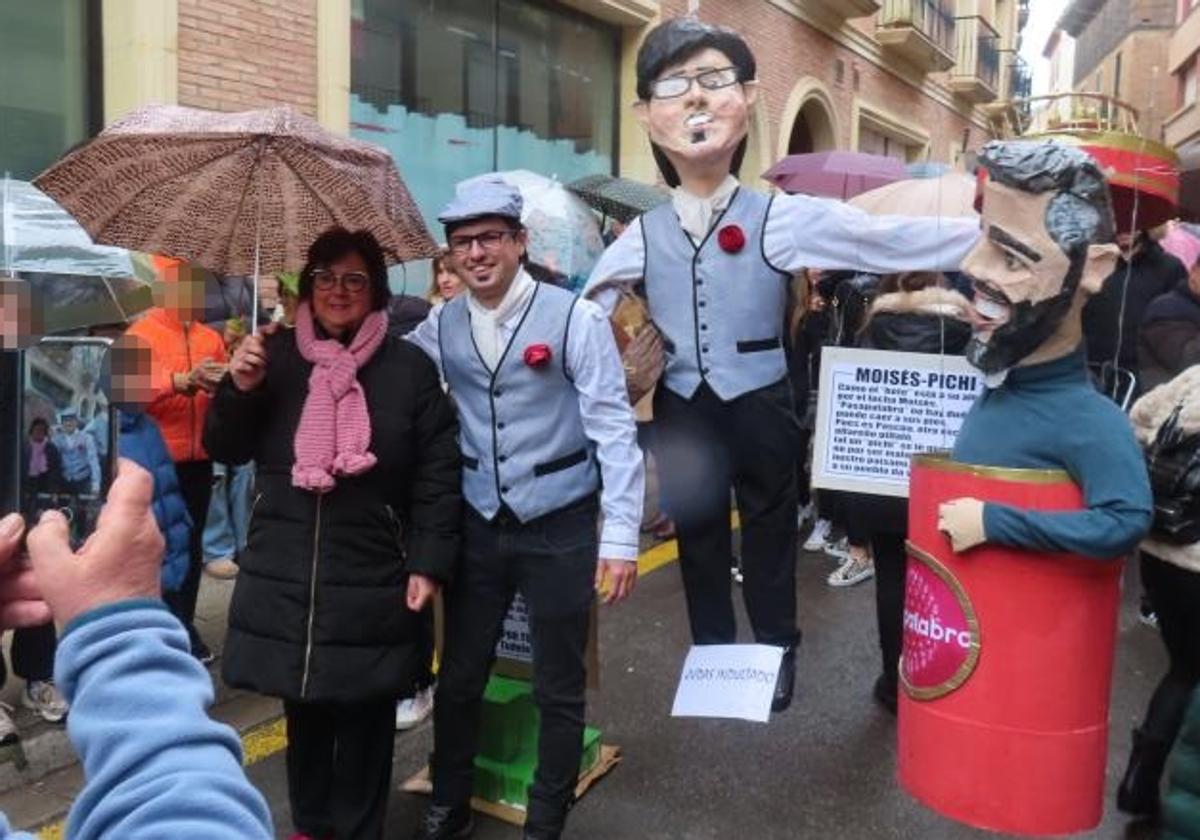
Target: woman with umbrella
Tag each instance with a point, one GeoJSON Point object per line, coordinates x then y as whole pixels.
{"type": "Point", "coordinates": [355, 528]}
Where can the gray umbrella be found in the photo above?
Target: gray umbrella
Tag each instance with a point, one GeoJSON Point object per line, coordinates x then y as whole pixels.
{"type": "Point", "coordinates": [75, 282]}
{"type": "Point", "coordinates": [619, 198]}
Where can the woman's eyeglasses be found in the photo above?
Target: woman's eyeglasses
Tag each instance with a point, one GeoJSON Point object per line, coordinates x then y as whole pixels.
{"type": "Point", "coordinates": [489, 240]}
{"type": "Point", "coordinates": [352, 281]}
{"type": "Point", "coordinates": [673, 87]}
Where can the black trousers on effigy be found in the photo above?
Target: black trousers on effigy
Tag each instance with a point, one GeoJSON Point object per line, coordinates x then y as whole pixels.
{"type": "Point", "coordinates": [707, 446]}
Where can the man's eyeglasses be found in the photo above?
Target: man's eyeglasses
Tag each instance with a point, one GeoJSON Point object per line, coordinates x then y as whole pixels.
{"type": "Point", "coordinates": [352, 281]}
{"type": "Point", "coordinates": [675, 86]}
{"type": "Point", "coordinates": [489, 240]}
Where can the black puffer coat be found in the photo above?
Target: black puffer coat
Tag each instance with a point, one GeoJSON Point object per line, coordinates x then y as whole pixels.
{"type": "Point", "coordinates": [1170, 338]}
{"type": "Point", "coordinates": [318, 611]}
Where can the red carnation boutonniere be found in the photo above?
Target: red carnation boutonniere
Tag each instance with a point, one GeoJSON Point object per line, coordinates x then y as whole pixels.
{"type": "Point", "coordinates": [538, 355]}
{"type": "Point", "coordinates": [731, 239]}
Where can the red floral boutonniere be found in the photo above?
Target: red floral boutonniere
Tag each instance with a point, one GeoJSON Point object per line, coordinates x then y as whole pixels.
{"type": "Point", "coordinates": [538, 355]}
{"type": "Point", "coordinates": [731, 239]}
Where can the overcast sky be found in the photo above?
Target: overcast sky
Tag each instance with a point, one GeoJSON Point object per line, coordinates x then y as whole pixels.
{"type": "Point", "coordinates": [1043, 15]}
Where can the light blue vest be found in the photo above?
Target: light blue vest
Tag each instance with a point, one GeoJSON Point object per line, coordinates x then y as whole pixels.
{"type": "Point", "coordinates": [721, 314]}
{"type": "Point", "coordinates": [520, 429]}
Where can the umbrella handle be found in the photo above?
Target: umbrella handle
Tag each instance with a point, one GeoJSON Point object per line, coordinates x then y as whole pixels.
{"type": "Point", "coordinates": [257, 249]}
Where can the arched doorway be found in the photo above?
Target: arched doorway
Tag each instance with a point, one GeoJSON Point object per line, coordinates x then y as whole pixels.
{"type": "Point", "coordinates": [812, 130]}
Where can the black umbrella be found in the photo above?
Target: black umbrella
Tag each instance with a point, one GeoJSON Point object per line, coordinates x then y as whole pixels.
{"type": "Point", "coordinates": [620, 198]}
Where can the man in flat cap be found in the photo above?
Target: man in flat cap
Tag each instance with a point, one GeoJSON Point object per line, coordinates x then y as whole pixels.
{"type": "Point", "coordinates": [548, 442]}
{"type": "Point", "coordinates": [716, 261]}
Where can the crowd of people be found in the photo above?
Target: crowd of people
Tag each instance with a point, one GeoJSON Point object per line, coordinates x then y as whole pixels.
{"type": "Point", "coordinates": [365, 454]}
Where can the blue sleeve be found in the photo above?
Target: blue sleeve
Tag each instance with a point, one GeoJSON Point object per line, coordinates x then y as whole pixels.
{"type": "Point", "coordinates": [1107, 462]}
{"type": "Point", "coordinates": [155, 764]}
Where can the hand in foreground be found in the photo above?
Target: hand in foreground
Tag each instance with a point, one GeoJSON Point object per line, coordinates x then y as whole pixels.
{"type": "Point", "coordinates": [962, 521]}
{"type": "Point", "coordinates": [122, 559]}
{"type": "Point", "coordinates": [421, 590]}
{"type": "Point", "coordinates": [249, 364]}
{"type": "Point", "coordinates": [208, 375]}
{"type": "Point", "coordinates": [615, 579]}
{"type": "Point", "coordinates": [21, 603]}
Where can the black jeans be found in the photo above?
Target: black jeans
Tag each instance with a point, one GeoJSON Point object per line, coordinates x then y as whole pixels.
{"type": "Point", "coordinates": [751, 443]}
{"type": "Point", "coordinates": [551, 561]}
{"type": "Point", "coordinates": [195, 483]}
{"type": "Point", "coordinates": [339, 767]}
{"type": "Point", "coordinates": [32, 654]}
{"type": "Point", "coordinates": [1174, 593]}
{"type": "Point", "coordinates": [891, 566]}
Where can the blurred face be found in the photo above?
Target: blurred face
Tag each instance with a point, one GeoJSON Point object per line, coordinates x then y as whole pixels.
{"type": "Point", "coordinates": [181, 293]}
{"type": "Point", "coordinates": [702, 125]}
{"type": "Point", "coordinates": [486, 255]}
{"type": "Point", "coordinates": [341, 297]}
{"type": "Point", "coordinates": [448, 284]}
{"type": "Point", "coordinates": [131, 386]}
{"type": "Point", "coordinates": [70, 425]}
{"type": "Point", "coordinates": [19, 327]}
{"type": "Point", "coordinates": [38, 433]}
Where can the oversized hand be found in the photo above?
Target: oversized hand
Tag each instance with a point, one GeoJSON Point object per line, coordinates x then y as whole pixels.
{"type": "Point", "coordinates": [962, 521]}
{"type": "Point", "coordinates": [249, 365]}
{"type": "Point", "coordinates": [615, 579]}
{"type": "Point", "coordinates": [21, 603]}
{"type": "Point", "coordinates": [122, 559]}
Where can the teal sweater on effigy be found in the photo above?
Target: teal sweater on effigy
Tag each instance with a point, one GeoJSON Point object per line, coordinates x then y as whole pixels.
{"type": "Point", "coordinates": [1050, 416]}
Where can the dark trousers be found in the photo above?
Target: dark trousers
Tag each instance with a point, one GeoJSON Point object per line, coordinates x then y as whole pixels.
{"type": "Point", "coordinates": [339, 767]}
{"type": "Point", "coordinates": [32, 654]}
{"type": "Point", "coordinates": [705, 446]}
{"type": "Point", "coordinates": [551, 561]}
{"type": "Point", "coordinates": [1174, 593]}
{"type": "Point", "coordinates": [891, 566]}
{"type": "Point", "coordinates": [195, 482]}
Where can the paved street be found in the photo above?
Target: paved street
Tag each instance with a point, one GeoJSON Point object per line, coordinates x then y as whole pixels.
{"type": "Point", "coordinates": [824, 769]}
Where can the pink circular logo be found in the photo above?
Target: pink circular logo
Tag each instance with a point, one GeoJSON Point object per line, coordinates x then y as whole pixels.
{"type": "Point", "coordinates": [941, 631]}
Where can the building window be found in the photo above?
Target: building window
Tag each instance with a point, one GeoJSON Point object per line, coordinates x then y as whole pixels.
{"type": "Point", "coordinates": [49, 101]}
{"type": "Point", "coordinates": [1189, 82]}
{"type": "Point", "coordinates": [454, 88]}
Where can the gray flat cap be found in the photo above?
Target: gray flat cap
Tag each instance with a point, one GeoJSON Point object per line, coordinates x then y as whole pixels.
{"type": "Point", "coordinates": [482, 196]}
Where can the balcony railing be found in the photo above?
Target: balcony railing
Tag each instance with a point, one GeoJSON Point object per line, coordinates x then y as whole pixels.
{"type": "Point", "coordinates": [920, 30]}
{"type": "Point", "coordinates": [844, 9]}
{"type": "Point", "coordinates": [1022, 14]}
{"type": "Point", "coordinates": [976, 74]}
{"type": "Point", "coordinates": [1020, 79]}
{"type": "Point", "coordinates": [1066, 113]}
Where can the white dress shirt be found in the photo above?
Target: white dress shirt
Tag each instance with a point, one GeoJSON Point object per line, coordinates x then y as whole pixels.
{"type": "Point", "coordinates": [608, 420]}
{"type": "Point", "coordinates": [806, 232]}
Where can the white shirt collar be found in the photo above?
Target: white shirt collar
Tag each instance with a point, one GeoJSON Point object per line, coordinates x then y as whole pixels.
{"type": "Point", "coordinates": [695, 213]}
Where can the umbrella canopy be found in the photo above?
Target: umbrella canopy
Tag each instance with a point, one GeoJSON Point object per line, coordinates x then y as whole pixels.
{"type": "Point", "coordinates": [949, 195]}
{"type": "Point", "coordinates": [76, 283]}
{"type": "Point", "coordinates": [564, 235]}
{"type": "Point", "coordinates": [835, 174]}
{"type": "Point", "coordinates": [619, 198]}
{"type": "Point", "coordinates": [234, 193]}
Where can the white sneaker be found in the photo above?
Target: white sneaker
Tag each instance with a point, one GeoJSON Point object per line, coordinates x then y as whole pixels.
{"type": "Point", "coordinates": [8, 729]}
{"type": "Point", "coordinates": [415, 709]}
{"type": "Point", "coordinates": [43, 698]}
{"type": "Point", "coordinates": [854, 570]}
{"type": "Point", "coordinates": [819, 535]}
{"type": "Point", "coordinates": [805, 515]}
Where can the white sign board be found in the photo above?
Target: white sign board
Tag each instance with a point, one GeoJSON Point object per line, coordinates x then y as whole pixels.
{"type": "Point", "coordinates": [728, 681]}
{"type": "Point", "coordinates": [515, 642]}
{"type": "Point", "coordinates": [878, 408]}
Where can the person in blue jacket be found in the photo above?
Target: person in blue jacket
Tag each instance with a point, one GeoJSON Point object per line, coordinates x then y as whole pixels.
{"type": "Point", "coordinates": [155, 765]}
{"type": "Point", "coordinates": [141, 441]}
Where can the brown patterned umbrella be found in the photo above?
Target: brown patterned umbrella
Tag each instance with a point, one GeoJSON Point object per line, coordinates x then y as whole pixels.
{"type": "Point", "coordinates": [233, 193]}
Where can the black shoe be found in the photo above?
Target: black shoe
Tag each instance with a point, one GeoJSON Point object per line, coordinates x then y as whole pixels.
{"type": "Point", "coordinates": [885, 694]}
{"type": "Point", "coordinates": [785, 683]}
{"type": "Point", "coordinates": [1138, 793]}
{"type": "Point", "coordinates": [445, 822]}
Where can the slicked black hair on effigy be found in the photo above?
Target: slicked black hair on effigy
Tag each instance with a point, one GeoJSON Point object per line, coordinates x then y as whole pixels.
{"type": "Point", "coordinates": [1081, 211]}
{"type": "Point", "coordinates": [677, 40]}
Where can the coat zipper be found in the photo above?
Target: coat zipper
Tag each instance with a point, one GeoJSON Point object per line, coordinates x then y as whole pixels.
{"type": "Point", "coordinates": [396, 530]}
{"type": "Point", "coordinates": [312, 601]}
{"type": "Point", "coordinates": [187, 349]}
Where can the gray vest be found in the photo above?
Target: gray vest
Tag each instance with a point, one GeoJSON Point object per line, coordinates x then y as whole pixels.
{"type": "Point", "coordinates": [520, 429]}
{"type": "Point", "coordinates": [721, 314]}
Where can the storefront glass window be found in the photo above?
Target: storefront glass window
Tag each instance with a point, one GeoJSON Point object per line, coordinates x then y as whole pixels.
{"type": "Point", "coordinates": [454, 88]}
{"type": "Point", "coordinates": [44, 95]}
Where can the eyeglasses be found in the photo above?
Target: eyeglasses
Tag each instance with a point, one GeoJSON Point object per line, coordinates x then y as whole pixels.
{"type": "Point", "coordinates": [352, 281]}
{"type": "Point", "coordinates": [675, 86]}
{"type": "Point", "coordinates": [489, 240]}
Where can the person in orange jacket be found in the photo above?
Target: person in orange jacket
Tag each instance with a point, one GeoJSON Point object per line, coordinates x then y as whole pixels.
{"type": "Point", "coordinates": [188, 359]}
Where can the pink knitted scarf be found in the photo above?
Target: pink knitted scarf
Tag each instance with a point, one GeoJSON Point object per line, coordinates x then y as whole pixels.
{"type": "Point", "coordinates": [335, 428]}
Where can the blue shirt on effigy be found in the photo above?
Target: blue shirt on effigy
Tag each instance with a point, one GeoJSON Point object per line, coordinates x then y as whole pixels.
{"type": "Point", "coordinates": [1049, 416]}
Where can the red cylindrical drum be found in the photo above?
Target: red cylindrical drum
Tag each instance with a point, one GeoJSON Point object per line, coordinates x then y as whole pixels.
{"type": "Point", "coordinates": [1007, 663]}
